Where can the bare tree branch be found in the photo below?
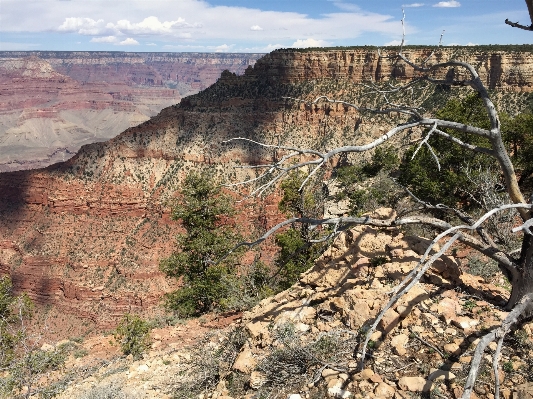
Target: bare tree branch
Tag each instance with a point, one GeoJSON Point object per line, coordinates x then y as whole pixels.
{"type": "Point", "coordinates": [523, 308]}
{"type": "Point", "coordinates": [472, 232]}
{"type": "Point", "coordinates": [529, 4]}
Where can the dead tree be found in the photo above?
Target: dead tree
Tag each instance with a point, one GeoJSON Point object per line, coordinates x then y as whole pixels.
{"type": "Point", "coordinates": [529, 4]}
{"type": "Point", "coordinates": [519, 269]}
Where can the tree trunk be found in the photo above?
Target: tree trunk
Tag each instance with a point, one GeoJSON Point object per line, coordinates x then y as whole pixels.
{"type": "Point", "coordinates": [523, 283]}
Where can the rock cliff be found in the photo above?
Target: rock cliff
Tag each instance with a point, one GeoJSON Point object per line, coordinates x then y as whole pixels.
{"type": "Point", "coordinates": [86, 236]}
{"type": "Point", "coordinates": [498, 69]}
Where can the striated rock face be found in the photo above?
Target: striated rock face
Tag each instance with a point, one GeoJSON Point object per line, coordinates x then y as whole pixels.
{"type": "Point", "coordinates": [86, 236]}
{"type": "Point", "coordinates": [54, 102]}
{"type": "Point", "coordinates": [508, 70]}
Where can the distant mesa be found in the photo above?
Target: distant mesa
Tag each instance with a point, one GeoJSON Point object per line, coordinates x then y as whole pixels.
{"type": "Point", "coordinates": [54, 102]}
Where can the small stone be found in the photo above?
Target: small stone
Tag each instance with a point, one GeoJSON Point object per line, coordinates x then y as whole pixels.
{"type": "Point", "coordinates": [245, 361]}
{"type": "Point", "coordinates": [295, 396]}
{"type": "Point", "coordinates": [430, 318]}
{"type": "Point", "coordinates": [143, 368]}
{"type": "Point", "coordinates": [441, 375]}
{"type": "Point", "coordinates": [337, 392]}
{"type": "Point", "coordinates": [403, 311]}
{"type": "Point", "coordinates": [450, 331]}
{"type": "Point", "coordinates": [329, 374]}
{"type": "Point", "coordinates": [257, 379]}
{"type": "Point", "coordinates": [464, 322]}
{"type": "Point", "coordinates": [389, 321]}
{"type": "Point", "coordinates": [256, 329]}
{"type": "Point", "coordinates": [398, 343]}
{"type": "Point", "coordinates": [384, 390]}
{"type": "Point", "coordinates": [343, 376]}
{"type": "Point", "coordinates": [452, 348]}
{"type": "Point", "coordinates": [47, 347]}
{"type": "Point", "coordinates": [506, 393]}
{"type": "Point", "coordinates": [417, 329]}
{"type": "Point", "coordinates": [335, 382]}
{"type": "Point", "coordinates": [366, 374]}
{"type": "Point", "coordinates": [456, 366]}
{"type": "Point", "coordinates": [412, 384]}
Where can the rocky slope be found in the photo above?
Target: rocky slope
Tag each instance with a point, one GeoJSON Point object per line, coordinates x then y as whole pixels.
{"type": "Point", "coordinates": [304, 342]}
{"type": "Point", "coordinates": [86, 236]}
{"type": "Point", "coordinates": [54, 102]}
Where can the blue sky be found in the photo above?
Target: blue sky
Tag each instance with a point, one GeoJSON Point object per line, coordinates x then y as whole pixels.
{"type": "Point", "coordinates": [252, 25]}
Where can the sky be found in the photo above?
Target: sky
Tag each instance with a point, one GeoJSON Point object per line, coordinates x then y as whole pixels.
{"type": "Point", "coordinates": [252, 26]}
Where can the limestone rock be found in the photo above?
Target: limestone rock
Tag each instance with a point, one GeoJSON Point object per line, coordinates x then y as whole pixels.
{"type": "Point", "coordinates": [452, 348]}
{"type": "Point", "coordinates": [413, 384]}
{"type": "Point", "coordinates": [257, 379]}
{"type": "Point", "coordinates": [389, 321]}
{"type": "Point", "coordinates": [384, 390]}
{"type": "Point", "coordinates": [245, 361]}
{"type": "Point", "coordinates": [398, 343]}
{"type": "Point", "coordinates": [441, 375]}
{"type": "Point", "coordinates": [464, 322]}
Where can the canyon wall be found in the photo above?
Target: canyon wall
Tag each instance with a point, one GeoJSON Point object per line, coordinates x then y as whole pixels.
{"type": "Point", "coordinates": [498, 68]}
{"type": "Point", "coordinates": [51, 103]}
{"type": "Point", "coordinates": [86, 236]}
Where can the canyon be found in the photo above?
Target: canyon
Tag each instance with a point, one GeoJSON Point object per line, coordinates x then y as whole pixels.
{"type": "Point", "coordinates": [84, 237]}
{"type": "Point", "coordinates": [51, 103]}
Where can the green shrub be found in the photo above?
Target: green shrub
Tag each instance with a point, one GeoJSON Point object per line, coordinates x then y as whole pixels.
{"type": "Point", "coordinates": [202, 208]}
{"type": "Point", "coordinates": [297, 252]}
{"type": "Point", "coordinates": [367, 185]}
{"type": "Point", "coordinates": [296, 255]}
{"type": "Point", "coordinates": [133, 335]}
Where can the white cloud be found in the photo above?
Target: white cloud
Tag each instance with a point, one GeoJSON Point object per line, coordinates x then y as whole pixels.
{"type": "Point", "coordinates": [224, 48]}
{"type": "Point", "coordinates": [196, 23]}
{"type": "Point", "coordinates": [129, 42]}
{"type": "Point", "coordinates": [152, 26]}
{"type": "Point", "coordinates": [105, 39]}
{"type": "Point", "coordinates": [310, 42]}
{"type": "Point", "coordinates": [151, 44]}
{"type": "Point", "coordinates": [413, 5]}
{"type": "Point", "coordinates": [83, 26]}
{"type": "Point", "coordinates": [148, 26]}
{"type": "Point", "coordinates": [270, 47]}
{"type": "Point", "coordinates": [345, 6]}
{"type": "Point", "coordinates": [393, 43]}
{"type": "Point", "coordinates": [451, 3]}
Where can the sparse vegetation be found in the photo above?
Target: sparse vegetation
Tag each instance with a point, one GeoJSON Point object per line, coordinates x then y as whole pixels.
{"type": "Point", "coordinates": [22, 361]}
{"type": "Point", "coordinates": [133, 335]}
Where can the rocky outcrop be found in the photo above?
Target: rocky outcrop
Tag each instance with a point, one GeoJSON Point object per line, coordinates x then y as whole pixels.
{"type": "Point", "coordinates": [305, 341]}
{"type": "Point", "coordinates": [423, 343]}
